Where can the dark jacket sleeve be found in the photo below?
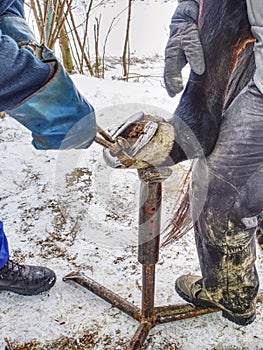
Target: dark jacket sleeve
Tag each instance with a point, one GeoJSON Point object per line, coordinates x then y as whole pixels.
{"type": "Point", "coordinates": [13, 7]}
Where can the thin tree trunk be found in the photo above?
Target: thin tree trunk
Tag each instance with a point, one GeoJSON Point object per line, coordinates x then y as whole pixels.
{"type": "Point", "coordinates": [65, 50]}
{"type": "Point", "coordinates": [125, 55]}
{"type": "Point", "coordinates": [85, 34]}
{"type": "Point", "coordinates": [96, 38]}
{"type": "Point", "coordinates": [75, 31]}
{"type": "Point", "coordinates": [36, 8]}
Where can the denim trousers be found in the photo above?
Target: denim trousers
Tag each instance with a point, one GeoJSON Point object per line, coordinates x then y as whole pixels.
{"type": "Point", "coordinates": [4, 251]}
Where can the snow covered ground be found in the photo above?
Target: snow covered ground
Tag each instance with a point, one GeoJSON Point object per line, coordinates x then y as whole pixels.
{"type": "Point", "coordinates": [70, 212]}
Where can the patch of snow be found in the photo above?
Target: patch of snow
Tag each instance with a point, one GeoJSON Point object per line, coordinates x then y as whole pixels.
{"type": "Point", "coordinates": [70, 212]}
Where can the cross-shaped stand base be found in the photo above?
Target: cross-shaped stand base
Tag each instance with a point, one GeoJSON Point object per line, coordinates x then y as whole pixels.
{"type": "Point", "coordinates": [148, 315]}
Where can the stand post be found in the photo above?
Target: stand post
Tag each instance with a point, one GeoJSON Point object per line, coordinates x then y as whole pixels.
{"type": "Point", "coordinates": [148, 254]}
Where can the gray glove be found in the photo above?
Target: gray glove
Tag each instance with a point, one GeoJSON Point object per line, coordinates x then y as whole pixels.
{"type": "Point", "coordinates": [183, 46]}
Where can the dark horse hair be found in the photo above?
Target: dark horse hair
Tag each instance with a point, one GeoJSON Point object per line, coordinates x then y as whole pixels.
{"type": "Point", "coordinates": [228, 47]}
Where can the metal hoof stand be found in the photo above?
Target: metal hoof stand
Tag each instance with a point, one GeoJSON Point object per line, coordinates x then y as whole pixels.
{"type": "Point", "coordinates": [148, 315]}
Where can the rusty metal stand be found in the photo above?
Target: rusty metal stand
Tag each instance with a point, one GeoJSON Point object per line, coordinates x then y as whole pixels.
{"type": "Point", "coordinates": [148, 254]}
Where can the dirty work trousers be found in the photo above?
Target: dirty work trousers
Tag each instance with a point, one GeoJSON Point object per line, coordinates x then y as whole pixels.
{"type": "Point", "coordinates": [226, 197]}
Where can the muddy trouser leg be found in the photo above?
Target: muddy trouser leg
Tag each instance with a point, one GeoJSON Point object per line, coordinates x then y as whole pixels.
{"type": "Point", "coordinates": [226, 197]}
{"type": "Point", "coordinates": [260, 230]}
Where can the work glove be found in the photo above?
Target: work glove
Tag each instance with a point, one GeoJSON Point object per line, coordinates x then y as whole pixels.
{"type": "Point", "coordinates": [57, 115]}
{"type": "Point", "coordinates": [183, 46]}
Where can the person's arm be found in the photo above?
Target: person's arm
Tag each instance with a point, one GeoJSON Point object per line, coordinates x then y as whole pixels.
{"type": "Point", "coordinates": [14, 7]}
{"type": "Point", "coordinates": [21, 73]}
{"type": "Point", "coordinates": [40, 95]}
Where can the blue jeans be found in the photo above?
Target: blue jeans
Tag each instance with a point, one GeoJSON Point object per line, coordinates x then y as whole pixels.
{"type": "Point", "coordinates": [4, 251]}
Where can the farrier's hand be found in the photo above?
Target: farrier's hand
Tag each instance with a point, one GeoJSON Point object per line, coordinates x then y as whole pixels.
{"type": "Point", "coordinates": [183, 46]}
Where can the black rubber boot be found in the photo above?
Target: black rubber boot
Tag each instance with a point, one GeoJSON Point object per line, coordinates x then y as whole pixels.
{"type": "Point", "coordinates": [26, 279]}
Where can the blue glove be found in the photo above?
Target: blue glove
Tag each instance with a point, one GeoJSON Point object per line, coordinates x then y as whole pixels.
{"type": "Point", "coordinates": [57, 115]}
